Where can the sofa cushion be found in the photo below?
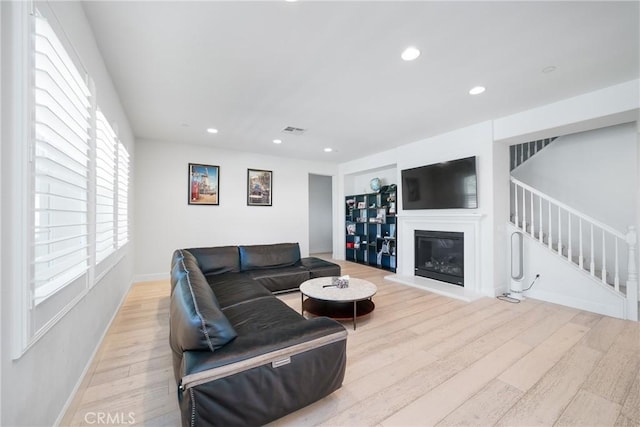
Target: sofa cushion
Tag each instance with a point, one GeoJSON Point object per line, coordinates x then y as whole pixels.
{"type": "Point", "coordinates": [280, 279]}
{"type": "Point", "coordinates": [232, 288]}
{"type": "Point", "coordinates": [217, 260]}
{"type": "Point", "coordinates": [197, 322]}
{"type": "Point", "coordinates": [261, 314]}
{"type": "Point", "coordinates": [320, 268]}
{"type": "Point", "coordinates": [268, 256]}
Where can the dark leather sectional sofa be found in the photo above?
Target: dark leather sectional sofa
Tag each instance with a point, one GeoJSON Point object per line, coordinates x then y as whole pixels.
{"type": "Point", "coordinates": [240, 355]}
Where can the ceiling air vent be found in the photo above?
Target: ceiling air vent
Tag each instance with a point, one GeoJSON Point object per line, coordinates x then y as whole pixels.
{"type": "Point", "coordinates": [293, 130]}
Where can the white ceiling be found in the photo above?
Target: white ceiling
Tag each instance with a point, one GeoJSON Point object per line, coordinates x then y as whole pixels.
{"type": "Point", "coordinates": [250, 69]}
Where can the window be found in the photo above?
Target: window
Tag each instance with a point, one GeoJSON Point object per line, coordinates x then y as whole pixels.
{"type": "Point", "coordinates": [105, 187]}
{"type": "Point", "coordinates": [123, 195]}
{"type": "Point", "coordinates": [71, 174]}
{"type": "Point", "coordinates": [61, 166]}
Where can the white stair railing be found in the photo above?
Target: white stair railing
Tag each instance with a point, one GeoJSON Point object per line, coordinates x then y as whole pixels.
{"type": "Point", "coordinates": [565, 231]}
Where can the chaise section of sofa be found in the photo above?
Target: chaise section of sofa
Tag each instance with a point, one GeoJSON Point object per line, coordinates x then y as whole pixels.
{"type": "Point", "coordinates": [242, 356]}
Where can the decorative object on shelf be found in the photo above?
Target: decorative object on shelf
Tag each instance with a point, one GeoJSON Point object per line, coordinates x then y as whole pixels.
{"type": "Point", "coordinates": [351, 228]}
{"type": "Point", "coordinates": [204, 183]}
{"type": "Point", "coordinates": [259, 187]}
{"type": "Point", "coordinates": [361, 205]}
{"type": "Point", "coordinates": [351, 203]}
{"type": "Point", "coordinates": [375, 184]}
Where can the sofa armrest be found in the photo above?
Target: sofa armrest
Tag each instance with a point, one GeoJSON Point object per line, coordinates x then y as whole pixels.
{"type": "Point", "coordinates": [257, 349]}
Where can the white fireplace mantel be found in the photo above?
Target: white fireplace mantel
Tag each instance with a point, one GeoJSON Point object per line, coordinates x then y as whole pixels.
{"type": "Point", "coordinates": [467, 223]}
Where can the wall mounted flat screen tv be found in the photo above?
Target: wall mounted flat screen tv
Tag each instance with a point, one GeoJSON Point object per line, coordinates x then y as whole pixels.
{"type": "Point", "coordinates": [446, 185]}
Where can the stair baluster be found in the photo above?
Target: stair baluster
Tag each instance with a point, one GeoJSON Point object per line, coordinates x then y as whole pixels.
{"type": "Point", "coordinates": [604, 260]}
{"type": "Point", "coordinates": [616, 279]}
{"type": "Point", "coordinates": [515, 189]}
{"type": "Point", "coordinates": [524, 210]}
{"type": "Point", "coordinates": [521, 154]}
{"type": "Point", "coordinates": [581, 256]}
{"type": "Point", "coordinates": [550, 239]}
{"type": "Point", "coordinates": [533, 222]}
{"type": "Point", "coordinates": [559, 231]}
{"type": "Point", "coordinates": [592, 266]}
{"type": "Point", "coordinates": [569, 251]}
{"type": "Point", "coordinates": [540, 219]}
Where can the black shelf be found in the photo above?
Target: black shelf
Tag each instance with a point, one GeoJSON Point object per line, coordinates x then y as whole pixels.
{"type": "Point", "coordinates": [372, 228]}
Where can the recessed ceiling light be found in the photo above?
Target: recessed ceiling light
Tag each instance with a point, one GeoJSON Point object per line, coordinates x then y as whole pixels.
{"type": "Point", "coordinates": [549, 69]}
{"type": "Point", "coordinates": [328, 150]}
{"type": "Point", "coordinates": [212, 130]}
{"type": "Point", "coordinates": [277, 141]}
{"type": "Point", "coordinates": [477, 90]}
{"type": "Point", "coordinates": [410, 53]}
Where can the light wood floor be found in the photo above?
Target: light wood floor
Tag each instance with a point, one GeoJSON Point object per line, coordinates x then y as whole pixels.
{"type": "Point", "coordinates": [418, 359]}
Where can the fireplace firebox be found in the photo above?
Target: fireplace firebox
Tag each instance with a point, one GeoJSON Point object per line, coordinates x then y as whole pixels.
{"type": "Point", "coordinates": [439, 255]}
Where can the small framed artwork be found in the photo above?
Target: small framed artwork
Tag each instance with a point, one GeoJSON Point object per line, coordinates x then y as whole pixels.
{"type": "Point", "coordinates": [259, 187]}
{"type": "Point", "coordinates": [204, 184]}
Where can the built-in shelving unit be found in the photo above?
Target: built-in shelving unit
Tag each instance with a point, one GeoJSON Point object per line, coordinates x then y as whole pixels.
{"type": "Point", "coordinates": [371, 228]}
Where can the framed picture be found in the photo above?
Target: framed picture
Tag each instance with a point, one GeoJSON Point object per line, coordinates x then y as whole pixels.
{"type": "Point", "coordinates": [204, 184]}
{"type": "Point", "coordinates": [259, 187]}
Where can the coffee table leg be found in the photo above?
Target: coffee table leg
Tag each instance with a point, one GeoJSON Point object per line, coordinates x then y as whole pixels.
{"type": "Point", "coordinates": [301, 303]}
{"type": "Point", "coordinates": [354, 314]}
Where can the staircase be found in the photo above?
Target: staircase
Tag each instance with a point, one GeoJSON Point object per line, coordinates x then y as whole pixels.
{"type": "Point", "coordinates": [604, 255]}
{"type": "Point", "coordinates": [520, 153]}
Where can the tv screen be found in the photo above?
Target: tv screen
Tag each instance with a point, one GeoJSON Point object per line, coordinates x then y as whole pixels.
{"type": "Point", "coordinates": [446, 185]}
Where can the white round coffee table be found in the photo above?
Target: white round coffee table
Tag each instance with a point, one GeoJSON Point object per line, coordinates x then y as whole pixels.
{"type": "Point", "coordinates": [325, 299]}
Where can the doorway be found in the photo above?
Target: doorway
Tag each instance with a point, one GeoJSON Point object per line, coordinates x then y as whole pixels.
{"type": "Point", "coordinates": [320, 214]}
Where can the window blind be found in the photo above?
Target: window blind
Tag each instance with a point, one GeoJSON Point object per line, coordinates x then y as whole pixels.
{"type": "Point", "coordinates": [61, 165]}
{"type": "Point", "coordinates": [105, 187]}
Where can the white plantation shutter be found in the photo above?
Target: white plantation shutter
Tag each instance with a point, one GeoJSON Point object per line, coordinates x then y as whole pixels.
{"type": "Point", "coordinates": [61, 166]}
{"type": "Point", "coordinates": [73, 175]}
{"type": "Point", "coordinates": [105, 187]}
{"type": "Point", "coordinates": [123, 195]}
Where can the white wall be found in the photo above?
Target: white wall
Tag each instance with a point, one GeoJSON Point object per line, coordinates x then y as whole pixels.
{"type": "Point", "coordinates": [474, 140]}
{"type": "Point", "coordinates": [360, 183]}
{"type": "Point", "coordinates": [166, 222]}
{"type": "Point", "coordinates": [593, 172]}
{"type": "Point", "coordinates": [320, 214]}
{"type": "Point", "coordinates": [561, 283]}
{"type": "Point", "coordinates": [36, 387]}
{"type": "Point", "coordinates": [601, 108]}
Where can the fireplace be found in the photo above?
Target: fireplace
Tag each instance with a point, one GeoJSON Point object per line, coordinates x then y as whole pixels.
{"type": "Point", "coordinates": [439, 255]}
